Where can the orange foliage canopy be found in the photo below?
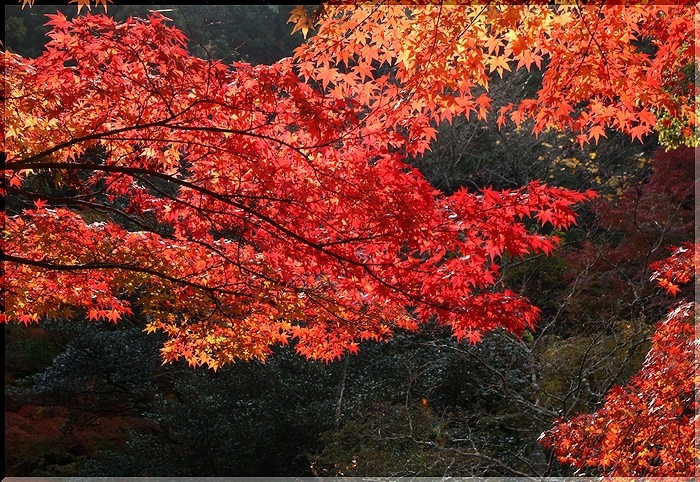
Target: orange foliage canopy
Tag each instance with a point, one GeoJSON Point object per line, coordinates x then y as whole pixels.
{"type": "Point", "coordinates": [239, 206]}
{"type": "Point", "coordinates": [605, 66]}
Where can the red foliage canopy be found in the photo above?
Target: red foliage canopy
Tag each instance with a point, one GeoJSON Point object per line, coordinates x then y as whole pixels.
{"type": "Point", "coordinates": [646, 428]}
{"type": "Point", "coordinates": [239, 206]}
{"type": "Point", "coordinates": [236, 207]}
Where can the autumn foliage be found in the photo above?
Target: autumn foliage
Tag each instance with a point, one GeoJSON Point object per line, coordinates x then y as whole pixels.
{"type": "Point", "coordinates": [679, 268]}
{"type": "Point", "coordinates": [235, 207]}
{"type": "Point", "coordinates": [638, 227]}
{"type": "Point", "coordinates": [238, 207]}
{"type": "Point", "coordinates": [646, 428]}
{"type": "Point", "coordinates": [597, 75]}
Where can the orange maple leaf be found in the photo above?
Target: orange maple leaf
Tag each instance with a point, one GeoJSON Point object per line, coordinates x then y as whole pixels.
{"type": "Point", "coordinates": [86, 3]}
{"type": "Point", "coordinates": [299, 18]}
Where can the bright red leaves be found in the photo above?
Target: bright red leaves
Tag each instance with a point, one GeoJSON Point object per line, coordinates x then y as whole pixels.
{"type": "Point", "coordinates": [237, 206]}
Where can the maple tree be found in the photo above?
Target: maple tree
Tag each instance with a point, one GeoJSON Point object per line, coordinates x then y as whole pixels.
{"type": "Point", "coordinates": [646, 428]}
{"type": "Point", "coordinates": [637, 223]}
{"type": "Point", "coordinates": [255, 213]}
{"type": "Point", "coordinates": [231, 233]}
{"type": "Point", "coordinates": [597, 72]}
{"type": "Point", "coordinates": [240, 206]}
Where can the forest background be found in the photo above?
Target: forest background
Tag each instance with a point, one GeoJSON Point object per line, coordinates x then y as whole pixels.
{"type": "Point", "coordinates": [92, 398]}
